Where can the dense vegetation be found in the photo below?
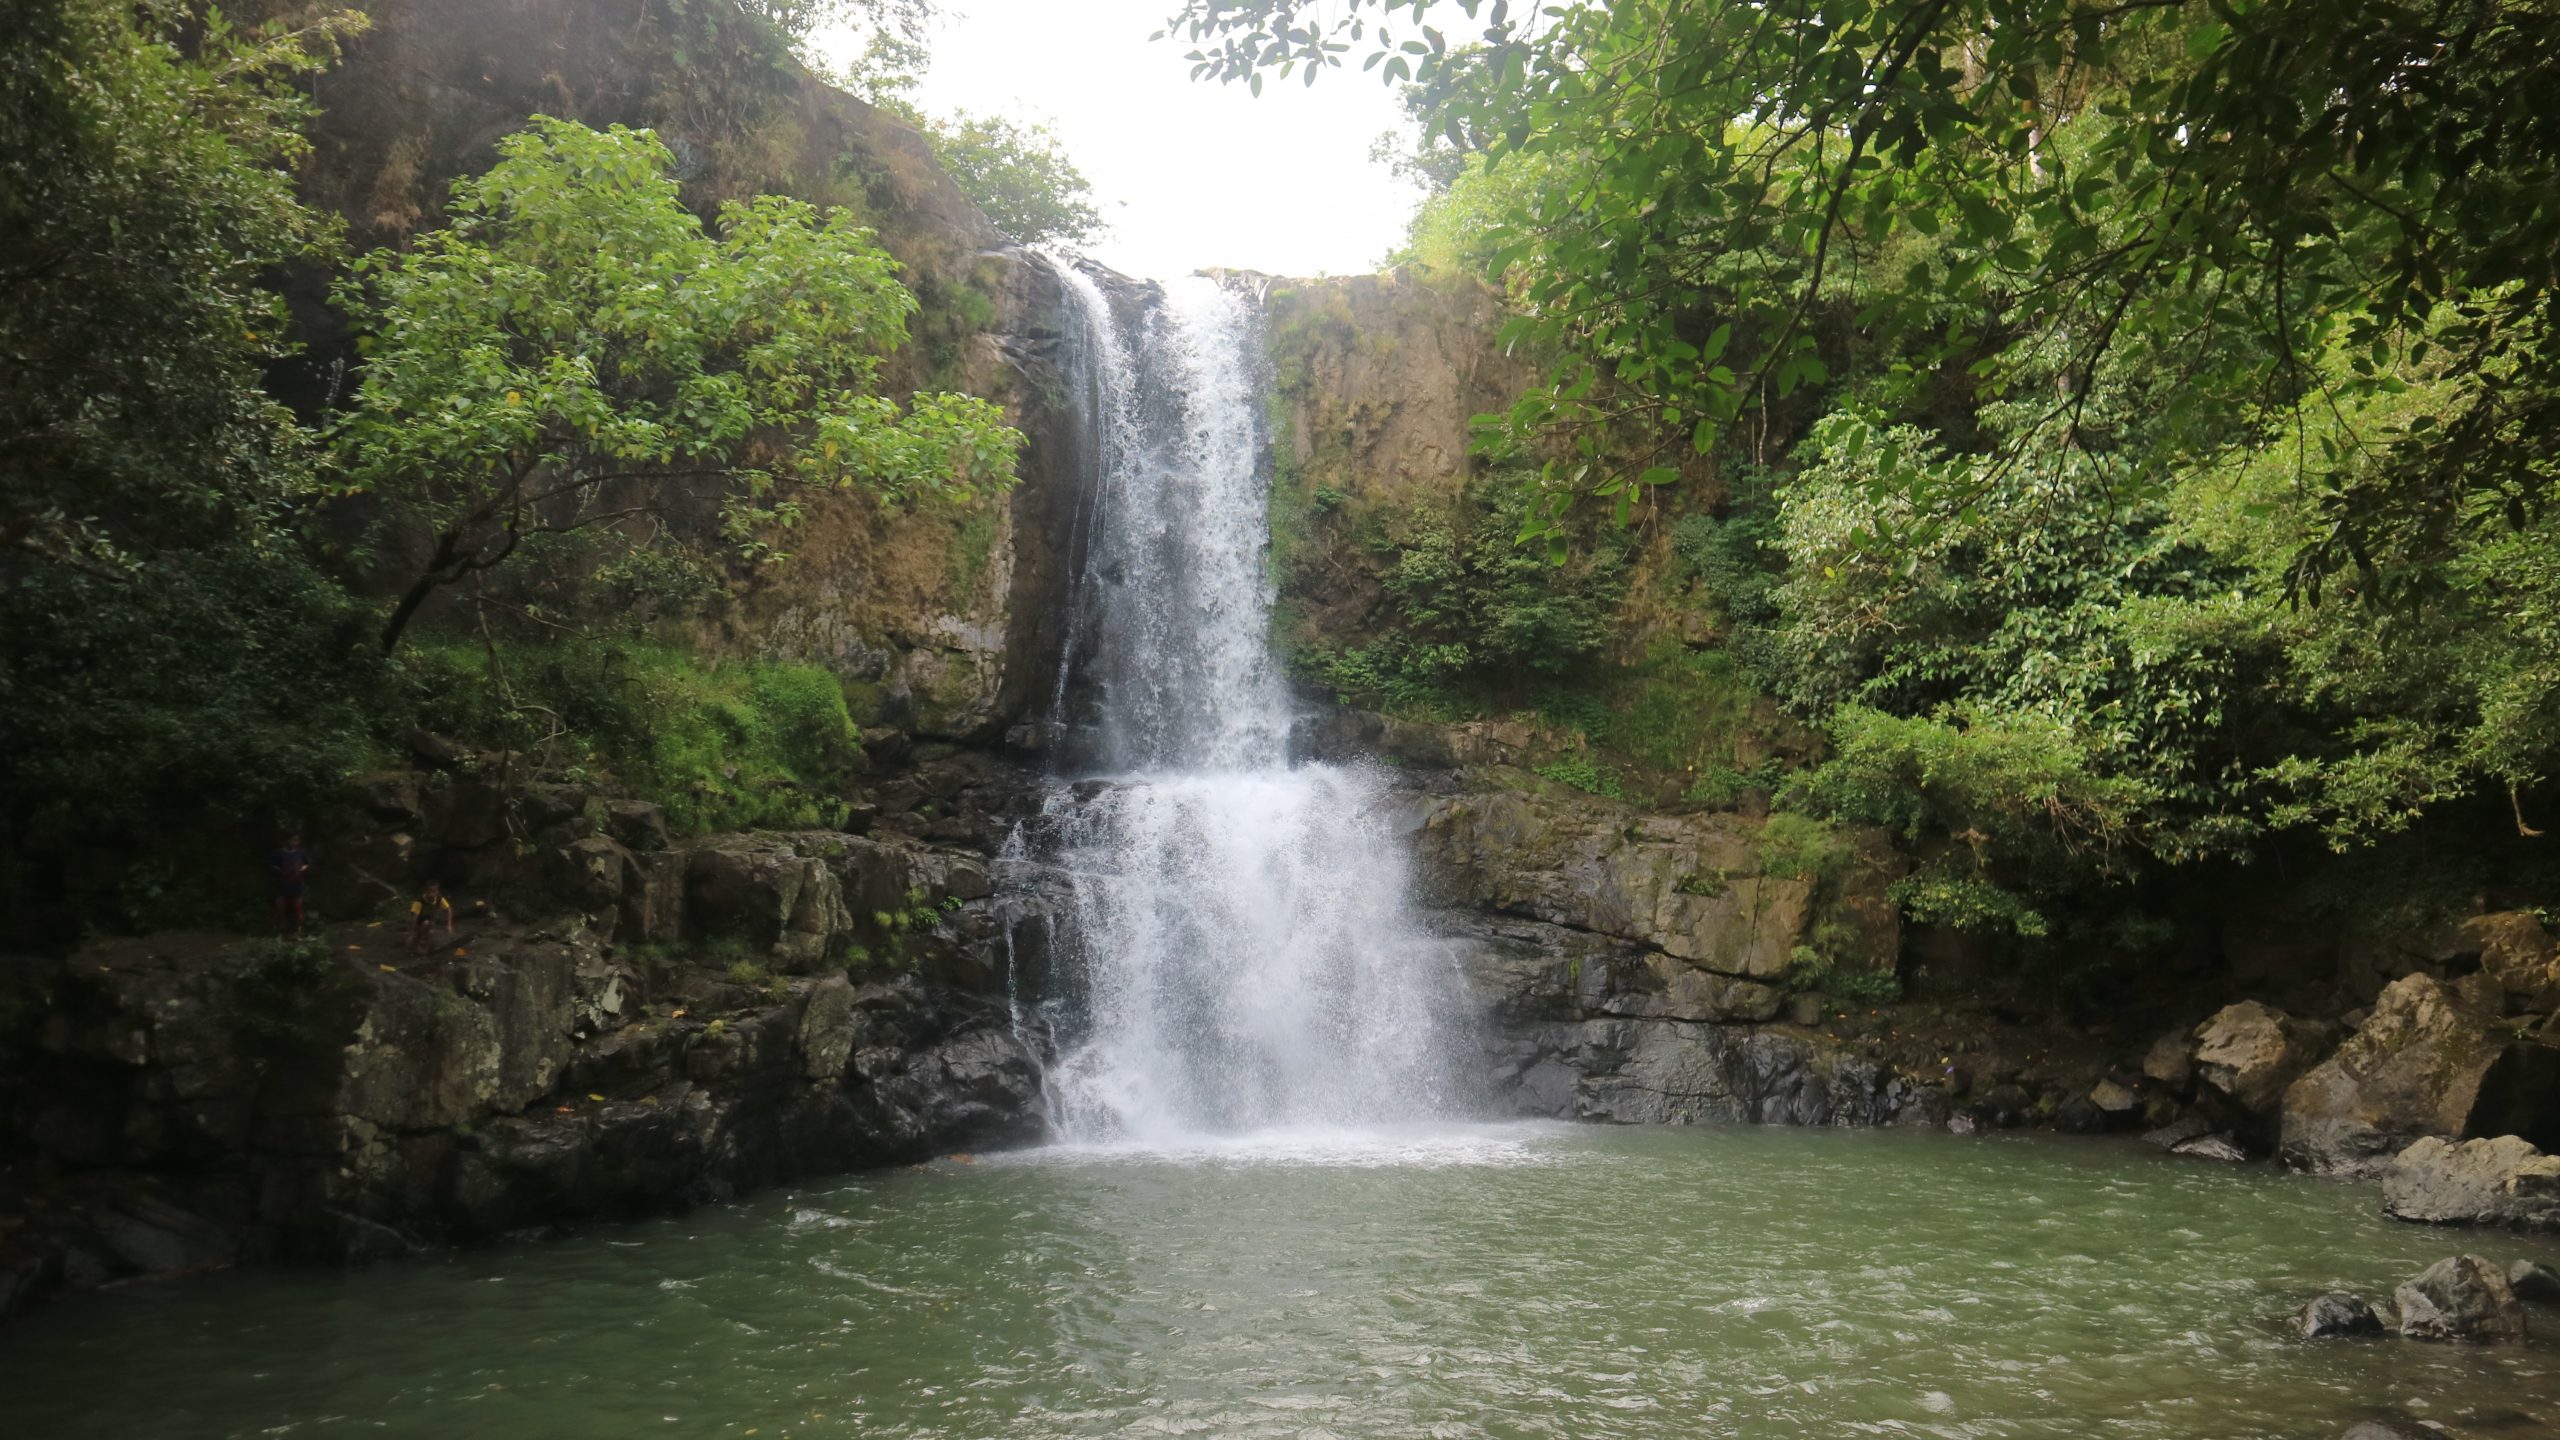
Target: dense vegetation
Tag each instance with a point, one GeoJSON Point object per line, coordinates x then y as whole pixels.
{"type": "Point", "coordinates": [202, 593]}
{"type": "Point", "coordinates": [2124, 431]}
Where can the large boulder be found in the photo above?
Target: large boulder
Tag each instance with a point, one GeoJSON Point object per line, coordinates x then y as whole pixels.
{"type": "Point", "coordinates": [2517, 952]}
{"type": "Point", "coordinates": [2250, 1052]}
{"type": "Point", "coordinates": [2412, 1070]}
{"type": "Point", "coordinates": [2504, 1181]}
{"type": "Point", "coordinates": [2461, 1297]}
{"type": "Point", "coordinates": [763, 890]}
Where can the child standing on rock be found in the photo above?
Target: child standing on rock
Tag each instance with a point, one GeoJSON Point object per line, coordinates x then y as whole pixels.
{"type": "Point", "coordinates": [426, 912]}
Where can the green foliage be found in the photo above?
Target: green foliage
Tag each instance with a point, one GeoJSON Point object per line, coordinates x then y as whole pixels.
{"type": "Point", "coordinates": [1800, 847]}
{"type": "Point", "coordinates": [170, 657]}
{"type": "Point", "coordinates": [574, 352]}
{"type": "Point", "coordinates": [1019, 174]}
{"type": "Point", "coordinates": [721, 748]}
{"type": "Point", "coordinates": [1584, 774]}
{"type": "Point", "coordinates": [1473, 614]}
{"type": "Point", "coordinates": [145, 194]}
{"type": "Point", "coordinates": [1809, 971]}
{"type": "Point", "coordinates": [2029, 170]}
{"type": "Point", "coordinates": [1943, 896]}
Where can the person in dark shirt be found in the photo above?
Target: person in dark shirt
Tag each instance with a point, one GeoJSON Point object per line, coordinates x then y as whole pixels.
{"type": "Point", "coordinates": [292, 867]}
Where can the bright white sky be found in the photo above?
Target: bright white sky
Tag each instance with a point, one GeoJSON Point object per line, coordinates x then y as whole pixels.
{"type": "Point", "coordinates": [1188, 174]}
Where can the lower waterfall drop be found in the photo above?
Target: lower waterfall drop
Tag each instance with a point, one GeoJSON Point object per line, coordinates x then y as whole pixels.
{"type": "Point", "coordinates": [1240, 939]}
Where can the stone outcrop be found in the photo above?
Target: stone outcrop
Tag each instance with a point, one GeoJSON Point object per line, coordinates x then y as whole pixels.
{"type": "Point", "coordinates": [2250, 1052]}
{"type": "Point", "coordinates": [1629, 964]}
{"type": "Point", "coordinates": [2413, 1069]}
{"type": "Point", "coordinates": [2501, 1181]}
{"type": "Point", "coordinates": [2461, 1297]}
{"type": "Point", "coordinates": [190, 1101]}
{"type": "Point", "coordinates": [1690, 888]}
{"type": "Point", "coordinates": [2517, 952]}
{"type": "Point", "coordinates": [1589, 1027]}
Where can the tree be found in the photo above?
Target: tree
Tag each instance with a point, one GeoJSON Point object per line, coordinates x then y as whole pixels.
{"type": "Point", "coordinates": [575, 353]}
{"type": "Point", "coordinates": [1019, 175]}
{"type": "Point", "coordinates": [171, 664]}
{"type": "Point", "coordinates": [144, 193]}
{"type": "Point", "coordinates": [2075, 177]}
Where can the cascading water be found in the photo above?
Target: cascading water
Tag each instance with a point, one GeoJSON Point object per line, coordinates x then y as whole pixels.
{"type": "Point", "coordinates": [1239, 939]}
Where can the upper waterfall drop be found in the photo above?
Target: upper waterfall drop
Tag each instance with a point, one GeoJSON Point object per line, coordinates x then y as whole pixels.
{"type": "Point", "coordinates": [1241, 941]}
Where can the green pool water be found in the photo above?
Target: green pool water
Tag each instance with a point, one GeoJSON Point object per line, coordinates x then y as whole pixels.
{"type": "Point", "coordinates": [1508, 1281]}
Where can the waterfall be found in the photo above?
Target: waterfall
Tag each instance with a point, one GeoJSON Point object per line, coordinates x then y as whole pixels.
{"type": "Point", "coordinates": [1239, 941]}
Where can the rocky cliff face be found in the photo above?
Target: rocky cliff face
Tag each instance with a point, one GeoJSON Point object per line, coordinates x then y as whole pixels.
{"type": "Point", "coordinates": [631, 1024]}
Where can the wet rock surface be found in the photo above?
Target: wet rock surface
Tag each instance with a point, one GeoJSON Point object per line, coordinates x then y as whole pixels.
{"type": "Point", "coordinates": [2413, 1069]}
{"type": "Point", "coordinates": [2501, 1181]}
{"type": "Point", "coordinates": [2461, 1297]}
{"type": "Point", "coordinates": [699, 1019]}
{"type": "Point", "coordinates": [2336, 1314]}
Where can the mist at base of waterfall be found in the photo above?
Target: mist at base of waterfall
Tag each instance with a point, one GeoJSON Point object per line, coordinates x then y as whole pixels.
{"type": "Point", "coordinates": [1249, 961]}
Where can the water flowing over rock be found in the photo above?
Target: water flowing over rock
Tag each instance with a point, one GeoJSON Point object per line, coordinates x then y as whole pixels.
{"type": "Point", "coordinates": [1239, 952]}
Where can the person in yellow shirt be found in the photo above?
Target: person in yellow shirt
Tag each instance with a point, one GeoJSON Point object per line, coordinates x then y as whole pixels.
{"type": "Point", "coordinates": [426, 912]}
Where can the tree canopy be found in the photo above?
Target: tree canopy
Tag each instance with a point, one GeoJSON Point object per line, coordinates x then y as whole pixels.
{"type": "Point", "coordinates": [2099, 351]}
{"type": "Point", "coordinates": [575, 352]}
{"type": "Point", "coordinates": [2025, 192]}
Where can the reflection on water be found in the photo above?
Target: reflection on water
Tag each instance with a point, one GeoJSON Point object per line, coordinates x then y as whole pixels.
{"type": "Point", "coordinates": [1497, 1281]}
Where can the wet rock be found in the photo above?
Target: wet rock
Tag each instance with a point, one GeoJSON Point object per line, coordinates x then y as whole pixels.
{"type": "Point", "coordinates": [2178, 1132]}
{"type": "Point", "coordinates": [1804, 1010]}
{"type": "Point", "coordinates": [2461, 1297]}
{"type": "Point", "coordinates": [2114, 1099]}
{"type": "Point", "coordinates": [2336, 1313]}
{"type": "Point", "coordinates": [826, 1028]}
{"type": "Point", "coordinates": [2171, 1059]}
{"type": "Point", "coordinates": [593, 874]}
{"type": "Point", "coordinates": [2078, 1115]}
{"type": "Point", "coordinates": [1691, 887]}
{"type": "Point", "coordinates": [2250, 1052]}
{"type": "Point", "coordinates": [638, 824]}
{"type": "Point", "coordinates": [2503, 1181]}
{"type": "Point", "coordinates": [2517, 952]}
{"type": "Point", "coordinates": [2004, 1107]}
{"type": "Point", "coordinates": [761, 888]}
{"type": "Point", "coordinates": [2413, 1070]}
{"type": "Point", "coordinates": [2534, 1283]}
{"type": "Point", "coordinates": [2210, 1147]}
{"type": "Point", "coordinates": [2391, 1430]}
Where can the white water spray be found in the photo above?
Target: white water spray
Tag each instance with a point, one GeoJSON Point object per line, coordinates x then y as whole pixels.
{"type": "Point", "coordinates": [1240, 933]}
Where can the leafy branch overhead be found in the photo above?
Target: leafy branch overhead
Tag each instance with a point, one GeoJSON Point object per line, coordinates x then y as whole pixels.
{"type": "Point", "coordinates": [577, 353]}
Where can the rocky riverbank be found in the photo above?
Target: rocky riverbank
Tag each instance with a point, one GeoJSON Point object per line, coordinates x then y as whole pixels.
{"type": "Point", "coordinates": [617, 1025]}
{"type": "Point", "coordinates": [622, 1023]}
